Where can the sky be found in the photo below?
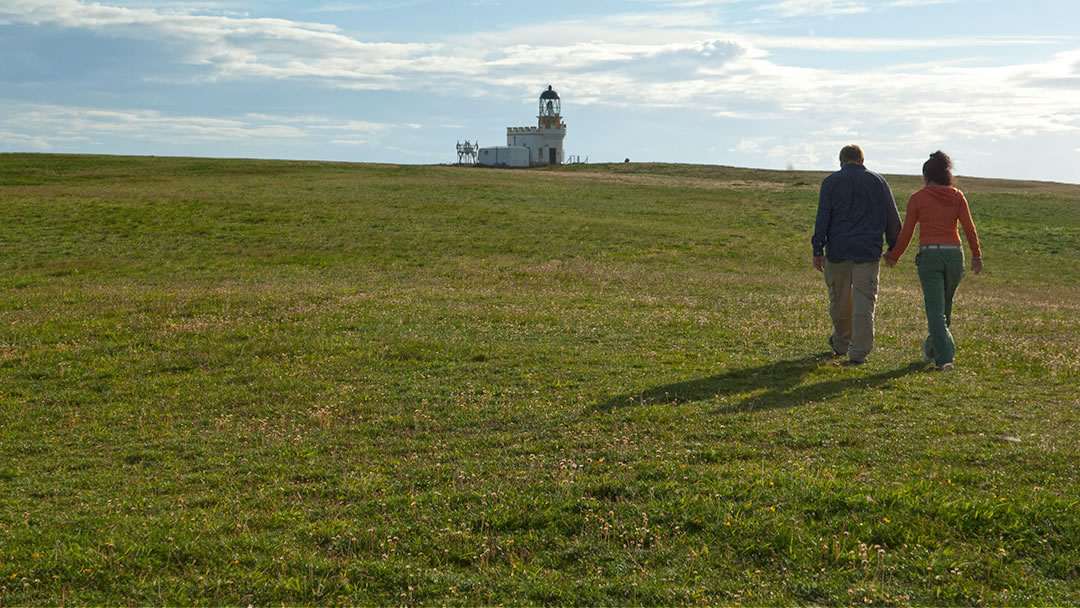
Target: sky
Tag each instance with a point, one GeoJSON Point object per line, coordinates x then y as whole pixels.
{"type": "Point", "coordinates": [776, 84]}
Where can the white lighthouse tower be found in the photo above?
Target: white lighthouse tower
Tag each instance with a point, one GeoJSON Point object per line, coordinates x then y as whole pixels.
{"type": "Point", "coordinates": [545, 140]}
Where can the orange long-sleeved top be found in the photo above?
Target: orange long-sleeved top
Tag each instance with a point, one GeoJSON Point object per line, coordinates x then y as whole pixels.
{"type": "Point", "coordinates": [937, 210]}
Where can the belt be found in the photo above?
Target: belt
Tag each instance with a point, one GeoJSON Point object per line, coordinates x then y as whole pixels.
{"type": "Point", "coordinates": [944, 246]}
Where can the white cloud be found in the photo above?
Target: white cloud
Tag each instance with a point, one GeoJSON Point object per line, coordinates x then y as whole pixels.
{"type": "Point", "coordinates": [815, 43]}
{"type": "Point", "coordinates": [679, 61]}
{"type": "Point", "coordinates": [13, 140]}
{"type": "Point", "coordinates": [956, 99]}
{"type": "Point", "coordinates": [285, 118]}
{"type": "Point", "coordinates": [53, 124]}
{"type": "Point", "coordinates": [676, 19]}
{"type": "Point", "coordinates": [232, 47]}
{"type": "Point", "coordinates": [639, 57]}
{"type": "Point", "coordinates": [907, 3]}
{"type": "Point", "coordinates": [352, 142]}
{"type": "Point", "coordinates": [357, 126]}
{"type": "Point", "coordinates": [753, 145]}
{"type": "Point", "coordinates": [1061, 72]}
{"type": "Point", "coordinates": [364, 7]}
{"type": "Point", "coordinates": [799, 8]}
{"type": "Point", "coordinates": [791, 152]}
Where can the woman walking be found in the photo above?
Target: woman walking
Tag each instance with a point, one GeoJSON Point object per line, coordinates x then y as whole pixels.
{"type": "Point", "coordinates": [937, 209]}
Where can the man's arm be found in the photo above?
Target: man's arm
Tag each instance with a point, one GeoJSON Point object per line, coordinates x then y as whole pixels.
{"type": "Point", "coordinates": [821, 227]}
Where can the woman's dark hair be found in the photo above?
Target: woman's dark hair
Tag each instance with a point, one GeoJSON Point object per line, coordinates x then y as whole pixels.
{"type": "Point", "coordinates": [938, 169]}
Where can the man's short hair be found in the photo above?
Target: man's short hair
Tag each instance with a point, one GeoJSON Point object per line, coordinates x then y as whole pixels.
{"type": "Point", "coordinates": [851, 154]}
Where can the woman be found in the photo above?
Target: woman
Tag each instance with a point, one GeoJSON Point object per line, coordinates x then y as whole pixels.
{"type": "Point", "coordinates": [937, 209]}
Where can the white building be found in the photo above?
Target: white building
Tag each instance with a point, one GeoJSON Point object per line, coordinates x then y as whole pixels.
{"type": "Point", "coordinates": [504, 156]}
{"type": "Point", "coordinates": [542, 144]}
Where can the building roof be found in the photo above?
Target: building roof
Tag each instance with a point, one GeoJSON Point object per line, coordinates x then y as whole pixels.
{"type": "Point", "coordinates": [549, 94]}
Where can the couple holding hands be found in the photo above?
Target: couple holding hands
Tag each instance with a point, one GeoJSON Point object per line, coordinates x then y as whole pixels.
{"type": "Point", "coordinates": [855, 208]}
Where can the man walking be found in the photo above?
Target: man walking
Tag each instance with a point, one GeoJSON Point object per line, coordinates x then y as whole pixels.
{"type": "Point", "coordinates": [855, 207]}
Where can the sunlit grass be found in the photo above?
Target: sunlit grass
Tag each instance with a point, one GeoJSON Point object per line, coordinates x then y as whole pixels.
{"type": "Point", "coordinates": [231, 381]}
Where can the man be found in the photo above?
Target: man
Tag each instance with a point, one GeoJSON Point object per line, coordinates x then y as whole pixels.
{"type": "Point", "coordinates": [855, 207]}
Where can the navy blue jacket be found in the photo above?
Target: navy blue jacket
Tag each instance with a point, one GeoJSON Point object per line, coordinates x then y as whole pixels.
{"type": "Point", "coordinates": [855, 208]}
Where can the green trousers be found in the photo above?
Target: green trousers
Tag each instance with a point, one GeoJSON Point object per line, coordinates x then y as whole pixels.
{"type": "Point", "coordinates": [940, 271]}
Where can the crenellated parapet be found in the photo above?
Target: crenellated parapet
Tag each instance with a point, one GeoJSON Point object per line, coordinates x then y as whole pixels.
{"type": "Point", "coordinates": [526, 130]}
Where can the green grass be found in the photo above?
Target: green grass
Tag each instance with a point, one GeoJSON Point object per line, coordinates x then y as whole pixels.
{"type": "Point", "coordinates": [260, 382]}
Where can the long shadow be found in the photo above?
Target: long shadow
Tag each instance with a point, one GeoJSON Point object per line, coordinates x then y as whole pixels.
{"type": "Point", "coordinates": [781, 381]}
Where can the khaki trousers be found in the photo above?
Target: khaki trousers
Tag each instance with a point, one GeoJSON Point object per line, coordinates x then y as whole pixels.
{"type": "Point", "coordinates": [852, 296]}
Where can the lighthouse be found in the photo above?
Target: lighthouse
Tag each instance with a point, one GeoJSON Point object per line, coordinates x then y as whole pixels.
{"type": "Point", "coordinates": [531, 146]}
{"type": "Point", "coordinates": [545, 140]}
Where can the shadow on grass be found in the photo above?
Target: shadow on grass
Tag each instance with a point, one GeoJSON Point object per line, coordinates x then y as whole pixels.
{"type": "Point", "coordinates": [780, 381]}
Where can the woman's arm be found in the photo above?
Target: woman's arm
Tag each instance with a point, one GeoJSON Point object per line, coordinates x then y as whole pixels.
{"type": "Point", "coordinates": [911, 218]}
{"type": "Point", "coordinates": [969, 228]}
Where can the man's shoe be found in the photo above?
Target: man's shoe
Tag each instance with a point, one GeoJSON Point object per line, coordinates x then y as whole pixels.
{"type": "Point", "coordinates": [838, 353]}
{"type": "Point", "coordinates": [945, 367]}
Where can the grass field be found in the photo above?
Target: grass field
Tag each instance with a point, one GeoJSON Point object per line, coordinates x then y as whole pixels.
{"type": "Point", "coordinates": [261, 382]}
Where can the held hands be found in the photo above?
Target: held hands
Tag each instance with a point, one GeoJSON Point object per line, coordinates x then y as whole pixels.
{"type": "Point", "coordinates": [889, 261]}
{"type": "Point", "coordinates": [819, 263]}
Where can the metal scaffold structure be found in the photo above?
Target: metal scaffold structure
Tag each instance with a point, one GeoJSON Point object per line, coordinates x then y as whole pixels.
{"type": "Point", "coordinates": [467, 152]}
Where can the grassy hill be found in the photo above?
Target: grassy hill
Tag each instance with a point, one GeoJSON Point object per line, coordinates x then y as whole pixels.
{"type": "Point", "coordinates": [241, 381]}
